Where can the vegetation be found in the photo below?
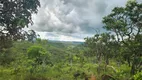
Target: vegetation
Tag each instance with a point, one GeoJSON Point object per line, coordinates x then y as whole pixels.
{"type": "Point", "coordinates": [14, 16]}
{"type": "Point", "coordinates": [113, 55]}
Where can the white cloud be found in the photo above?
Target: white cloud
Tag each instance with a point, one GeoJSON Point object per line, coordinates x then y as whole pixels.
{"type": "Point", "coordinates": [74, 17]}
{"type": "Point", "coordinates": [60, 37]}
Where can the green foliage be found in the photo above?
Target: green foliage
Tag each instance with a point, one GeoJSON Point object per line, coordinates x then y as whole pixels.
{"type": "Point", "coordinates": [35, 52]}
{"type": "Point", "coordinates": [122, 43]}
{"type": "Point", "coordinates": [138, 76]}
{"type": "Point", "coordinates": [102, 46]}
{"type": "Point", "coordinates": [123, 72]}
{"type": "Point", "coordinates": [56, 65]}
{"type": "Point", "coordinates": [125, 22]}
{"type": "Point", "coordinates": [38, 54]}
{"type": "Point", "coordinates": [14, 16]}
{"type": "Point", "coordinates": [6, 57]}
{"type": "Point", "coordinates": [114, 54]}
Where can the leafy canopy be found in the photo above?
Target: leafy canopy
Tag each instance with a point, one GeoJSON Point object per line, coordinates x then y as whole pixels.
{"type": "Point", "coordinates": [15, 15]}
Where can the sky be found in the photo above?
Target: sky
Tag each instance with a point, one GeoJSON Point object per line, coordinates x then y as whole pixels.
{"type": "Point", "coordinates": [72, 20]}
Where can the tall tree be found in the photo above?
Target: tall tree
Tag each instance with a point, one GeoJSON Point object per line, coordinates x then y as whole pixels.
{"type": "Point", "coordinates": [102, 46]}
{"type": "Point", "coordinates": [15, 15]}
{"type": "Point", "coordinates": [126, 23]}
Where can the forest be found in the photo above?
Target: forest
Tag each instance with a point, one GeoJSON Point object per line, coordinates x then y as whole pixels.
{"type": "Point", "coordinates": [115, 54]}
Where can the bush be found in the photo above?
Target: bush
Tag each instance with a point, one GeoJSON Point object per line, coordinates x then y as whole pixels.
{"type": "Point", "coordinates": [138, 76]}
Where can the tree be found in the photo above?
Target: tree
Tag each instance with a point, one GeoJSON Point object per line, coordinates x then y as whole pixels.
{"type": "Point", "coordinates": [15, 15]}
{"type": "Point", "coordinates": [126, 24]}
{"type": "Point", "coordinates": [103, 47]}
{"type": "Point", "coordinates": [38, 54]}
{"type": "Point", "coordinates": [31, 36]}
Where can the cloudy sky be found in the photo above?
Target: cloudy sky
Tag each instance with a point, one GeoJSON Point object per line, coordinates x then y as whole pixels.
{"type": "Point", "coordinates": [72, 20]}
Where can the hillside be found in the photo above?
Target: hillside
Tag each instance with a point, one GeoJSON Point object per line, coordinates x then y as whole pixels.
{"type": "Point", "coordinates": [63, 44]}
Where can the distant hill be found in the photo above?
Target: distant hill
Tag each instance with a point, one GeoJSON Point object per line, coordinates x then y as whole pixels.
{"type": "Point", "coordinates": [61, 44]}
